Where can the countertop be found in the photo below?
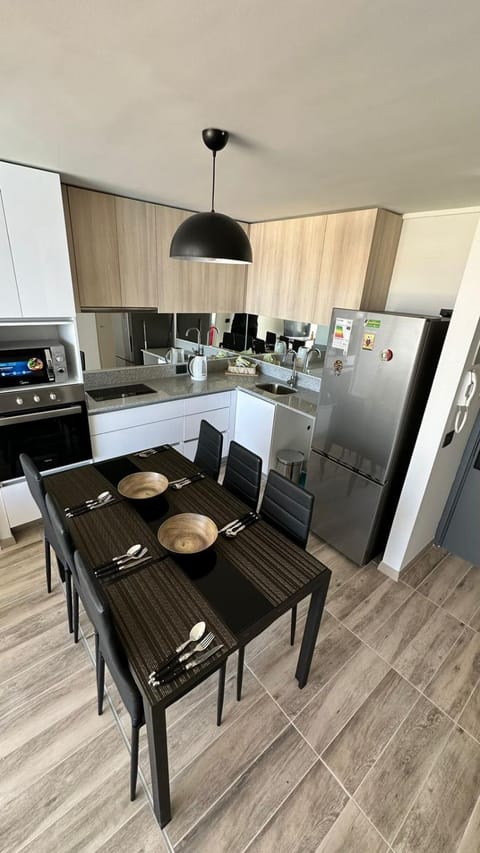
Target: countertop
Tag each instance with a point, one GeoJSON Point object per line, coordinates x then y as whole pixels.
{"type": "Point", "coordinates": [178, 387]}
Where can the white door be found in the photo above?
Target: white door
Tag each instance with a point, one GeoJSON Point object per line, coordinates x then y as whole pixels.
{"type": "Point", "coordinates": [9, 299]}
{"type": "Point", "coordinates": [33, 207]}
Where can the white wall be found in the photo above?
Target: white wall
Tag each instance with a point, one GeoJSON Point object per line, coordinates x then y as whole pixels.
{"type": "Point", "coordinates": [433, 467]}
{"type": "Point", "coordinates": [431, 257]}
{"type": "Point", "coordinates": [88, 340]}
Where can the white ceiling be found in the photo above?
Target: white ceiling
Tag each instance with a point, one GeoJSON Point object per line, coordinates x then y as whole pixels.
{"type": "Point", "coordinates": [331, 106]}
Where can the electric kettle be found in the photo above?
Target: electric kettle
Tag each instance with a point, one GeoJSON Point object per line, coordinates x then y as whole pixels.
{"type": "Point", "coordinates": [175, 355]}
{"type": "Point", "coordinates": [197, 367]}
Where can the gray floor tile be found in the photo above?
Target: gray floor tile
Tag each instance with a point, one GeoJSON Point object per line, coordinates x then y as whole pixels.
{"type": "Point", "coordinates": [470, 716]}
{"type": "Point", "coordinates": [352, 833]}
{"type": "Point", "coordinates": [304, 819]}
{"type": "Point", "coordinates": [441, 813]}
{"type": "Point", "coordinates": [441, 582]}
{"type": "Point", "coordinates": [358, 745]}
{"type": "Point", "coordinates": [390, 789]}
{"type": "Point", "coordinates": [418, 571]}
{"type": "Point", "coordinates": [452, 685]}
{"type": "Point", "coordinates": [328, 712]}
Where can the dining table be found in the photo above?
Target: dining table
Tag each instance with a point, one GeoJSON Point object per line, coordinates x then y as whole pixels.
{"type": "Point", "coordinates": [238, 586]}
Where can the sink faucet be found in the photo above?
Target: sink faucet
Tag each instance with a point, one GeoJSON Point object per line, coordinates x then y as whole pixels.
{"type": "Point", "coordinates": [293, 378]}
{"type": "Point", "coordinates": [309, 357]}
{"type": "Point", "coordinates": [199, 335]}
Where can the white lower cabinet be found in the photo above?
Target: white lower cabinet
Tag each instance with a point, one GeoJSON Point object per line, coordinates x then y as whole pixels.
{"type": "Point", "coordinates": [254, 425]}
{"type": "Point", "coordinates": [174, 422]}
{"type": "Point", "coordinates": [265, 427]}
{"type": "Point", "coordinates": [19, 504]}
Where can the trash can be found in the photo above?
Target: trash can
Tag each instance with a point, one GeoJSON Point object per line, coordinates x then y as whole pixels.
{"type": "Point", "coordinates": [289, 463]}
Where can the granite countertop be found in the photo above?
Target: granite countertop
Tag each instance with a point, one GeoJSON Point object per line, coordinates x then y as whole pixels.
{"type": "Point", "coordinates": [170, 388]}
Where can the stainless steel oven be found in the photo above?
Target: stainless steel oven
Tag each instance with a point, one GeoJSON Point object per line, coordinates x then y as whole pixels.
{"type": "Point", "coordinates": [49, 423]}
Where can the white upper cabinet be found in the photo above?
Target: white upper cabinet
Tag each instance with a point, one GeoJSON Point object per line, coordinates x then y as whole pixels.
{"type": "Point", "coordinates": [34, 224]}
{"type": "Point", "coordinates": [10, 300]}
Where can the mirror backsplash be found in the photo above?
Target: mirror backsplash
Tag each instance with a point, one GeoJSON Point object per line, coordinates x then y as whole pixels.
{"type": "Point", "coordinates": [120, 339]}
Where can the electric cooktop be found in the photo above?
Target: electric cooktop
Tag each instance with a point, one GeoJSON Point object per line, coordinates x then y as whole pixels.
{"type": "Point", "coordinates": [119, 391]}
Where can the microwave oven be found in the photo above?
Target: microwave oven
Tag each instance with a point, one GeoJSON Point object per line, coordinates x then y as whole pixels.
{"type": "Point", "coordinates": [33, 364]}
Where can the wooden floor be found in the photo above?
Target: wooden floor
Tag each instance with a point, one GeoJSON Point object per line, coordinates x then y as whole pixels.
{"type": "Point", "coordinates": [380, 751]}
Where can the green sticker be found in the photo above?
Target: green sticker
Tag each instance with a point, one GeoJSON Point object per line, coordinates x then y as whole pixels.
{"type": "Point", "coordinates": [373, 324]}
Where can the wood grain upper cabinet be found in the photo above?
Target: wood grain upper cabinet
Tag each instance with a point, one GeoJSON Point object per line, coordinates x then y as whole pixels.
{"type": "Point", "coordinates": [95, 244]}
{"type": "Point", "coordinates": [302, 268]}
{"type": "Point", "coordinates": [357, 261]}
{"type": "Point", "coordinates": [287, 258]}
{"type": "Point", "coordinates": [186, 286]}
{"type": "Point", "coordinates": [137, 252]}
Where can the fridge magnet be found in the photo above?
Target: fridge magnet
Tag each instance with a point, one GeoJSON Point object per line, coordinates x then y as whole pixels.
{"type": "Point", "coordinates": [372, 324]}
{"type": "Point", "coordinates": [368, 341]}
{"type": "Point", "coordinates": [341, 333]}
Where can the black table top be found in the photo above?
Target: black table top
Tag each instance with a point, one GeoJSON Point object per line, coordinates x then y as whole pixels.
{"type": "Point", "coordinates": [238, 587]}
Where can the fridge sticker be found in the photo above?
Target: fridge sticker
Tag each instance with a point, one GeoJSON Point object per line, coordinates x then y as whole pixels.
{"type": "Point", "coordinates": [341, 334]}
{"type": "Point", "coordinates": [372, 324]}
{"type": "Point", "coordinates": [368, 341]}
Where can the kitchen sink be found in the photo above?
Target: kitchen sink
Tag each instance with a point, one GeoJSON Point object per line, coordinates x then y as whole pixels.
{"type": "Point", "coordinates": [275, 388]}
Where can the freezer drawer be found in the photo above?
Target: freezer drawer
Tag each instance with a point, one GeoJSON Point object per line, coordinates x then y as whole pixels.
{"type": "Point", "coordinates": [347, 508]}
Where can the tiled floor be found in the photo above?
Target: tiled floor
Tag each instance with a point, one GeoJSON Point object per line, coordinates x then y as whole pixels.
{"type": "Point", "coordinates": [380, 751]}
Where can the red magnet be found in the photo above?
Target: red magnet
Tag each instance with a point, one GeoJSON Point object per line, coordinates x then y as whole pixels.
{"type": "Point", "coordinates": [386, 355]}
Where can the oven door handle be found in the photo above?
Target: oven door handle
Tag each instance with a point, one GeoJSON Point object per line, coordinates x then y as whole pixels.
{"type": "Point", "coordinates": [40, 416]}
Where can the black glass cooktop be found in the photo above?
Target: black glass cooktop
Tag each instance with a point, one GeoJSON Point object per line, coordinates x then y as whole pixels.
{"type": "Point", "coordinates": [116, 391]}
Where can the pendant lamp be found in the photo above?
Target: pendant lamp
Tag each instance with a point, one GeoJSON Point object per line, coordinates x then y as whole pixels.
{"type": "Point", "coordinates": [211, 237]}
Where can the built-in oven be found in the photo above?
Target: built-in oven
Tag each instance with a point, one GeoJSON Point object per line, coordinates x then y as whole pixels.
{"type": "Point", "coordinates": [50, 423]}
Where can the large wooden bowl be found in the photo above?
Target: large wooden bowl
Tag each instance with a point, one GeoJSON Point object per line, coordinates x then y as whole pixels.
{"type": "Point", "coordinates": [187, 533]}
{"type": "Point", "coordinates": [142, 484]}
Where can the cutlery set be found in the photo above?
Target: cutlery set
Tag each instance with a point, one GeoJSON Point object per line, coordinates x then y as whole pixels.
{"type": "Point", "coordinates": [90, 504]}
{"type": "Point", "coordinates": [235, 527]}
{"type": "Point", "coordinates": [179, 662]}
{"type": "Point", "coordinates": [135, 556]}
{"type": "Point", "coordinates": [185, 481]}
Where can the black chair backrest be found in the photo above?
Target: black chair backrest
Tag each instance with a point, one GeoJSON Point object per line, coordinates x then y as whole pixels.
{"type": "Point", "coordinates": [110, 647]}
{"type": "Point", "coordinates": [287, 507]}
{"type": "Point", "coordinates": [270, 339]}
{"type": "Point", "coordinates": [37, 488]}
{"type": "Point", "coordinates": [258, 345]}
{"type": "Point", "coordinates": [208, 457]}
{"type": "Point", "coordinates": [62, 536]}
{"type": "Point", "coordinates": [227, 340]}
{"type": "Point", "coordinates": [243, 474]}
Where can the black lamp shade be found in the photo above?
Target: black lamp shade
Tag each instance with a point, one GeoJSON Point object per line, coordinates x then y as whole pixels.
{"type": "Point", "coordinates": [212, 238]}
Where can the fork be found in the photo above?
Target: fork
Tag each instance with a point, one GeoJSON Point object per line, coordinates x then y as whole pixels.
{"type": "Point", "coordinates": [172, 664]}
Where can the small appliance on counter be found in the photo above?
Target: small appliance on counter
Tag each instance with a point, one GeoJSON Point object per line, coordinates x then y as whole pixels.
{"type": "Point", "coordinates": [197, 367]}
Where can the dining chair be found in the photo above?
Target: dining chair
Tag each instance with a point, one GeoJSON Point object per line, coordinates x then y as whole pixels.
{"type": "Point", "coordinates": [208, 457]}
{"type": "Point", "coordinates": [65, 545]}
{"type": "Point", "coordinates": [36, 485]}
{"type": "Point", "coordinates": [243, 474]}
{"type": "Point", "coordinates": [287, 507]}
{"type": "Point", "coordinates": [111, 653]}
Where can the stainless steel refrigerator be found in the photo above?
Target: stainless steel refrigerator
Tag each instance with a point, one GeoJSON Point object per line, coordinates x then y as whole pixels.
{"type": "Point", "coordinates": [378, 371]}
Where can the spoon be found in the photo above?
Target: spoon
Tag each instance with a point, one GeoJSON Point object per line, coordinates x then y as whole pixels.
{"type": "Point", "coordinates": [137, 556]}
{"type": "Point", "coordinates": [103, 496]}
{"type": "Point", "coordinates": [195, 635]}
{"type": "Point", "coordinates": [133, 551]}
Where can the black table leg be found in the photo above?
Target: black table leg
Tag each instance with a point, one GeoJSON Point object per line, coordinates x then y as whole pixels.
{"type": "Point", "coordinates": [158, 750]}
{"type": "Point", "coordinates": [310, 634]}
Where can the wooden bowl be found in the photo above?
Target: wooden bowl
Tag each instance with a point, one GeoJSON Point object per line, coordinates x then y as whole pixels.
{"type": "Point", "coordinates": [142, 484]}
{"type": "Point", "coordinates": [187, 533]}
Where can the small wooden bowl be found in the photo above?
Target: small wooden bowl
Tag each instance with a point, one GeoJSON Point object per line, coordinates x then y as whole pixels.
{"type": "Point", "coordinates": [187, 533]}
{"type": "Point", "coordinates": [143, 484]}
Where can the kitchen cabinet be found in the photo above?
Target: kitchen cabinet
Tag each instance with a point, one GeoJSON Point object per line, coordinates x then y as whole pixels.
{"type": "Point", "coordinates": [214, 408]}
{"type": "Point", "coordinates": [95, 247]}
{"type": "Point", "coordinates": [287, 257]}
{"type": "Point", "coordinates": [19, 504]}
{"type": "Point", "coordinates": [34, 263]}
{"type": "Point", "coordinates": [186, 286]}
{"type": "Point", "coordinates": [305, 267]}
{"type": "Point", "coordinates": [266, 427]}
{"type": "Point", "coordinates": [137, 252]}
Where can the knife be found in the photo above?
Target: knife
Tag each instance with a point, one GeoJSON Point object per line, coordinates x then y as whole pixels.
{"type": "Point", "coordinates": [174, 673]}
{"type": "Point", "coordinates": [90, 507]}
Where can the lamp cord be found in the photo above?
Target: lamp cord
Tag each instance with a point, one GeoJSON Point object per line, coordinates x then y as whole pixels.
{"type": "Point", "coordinates": [214, 154]}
